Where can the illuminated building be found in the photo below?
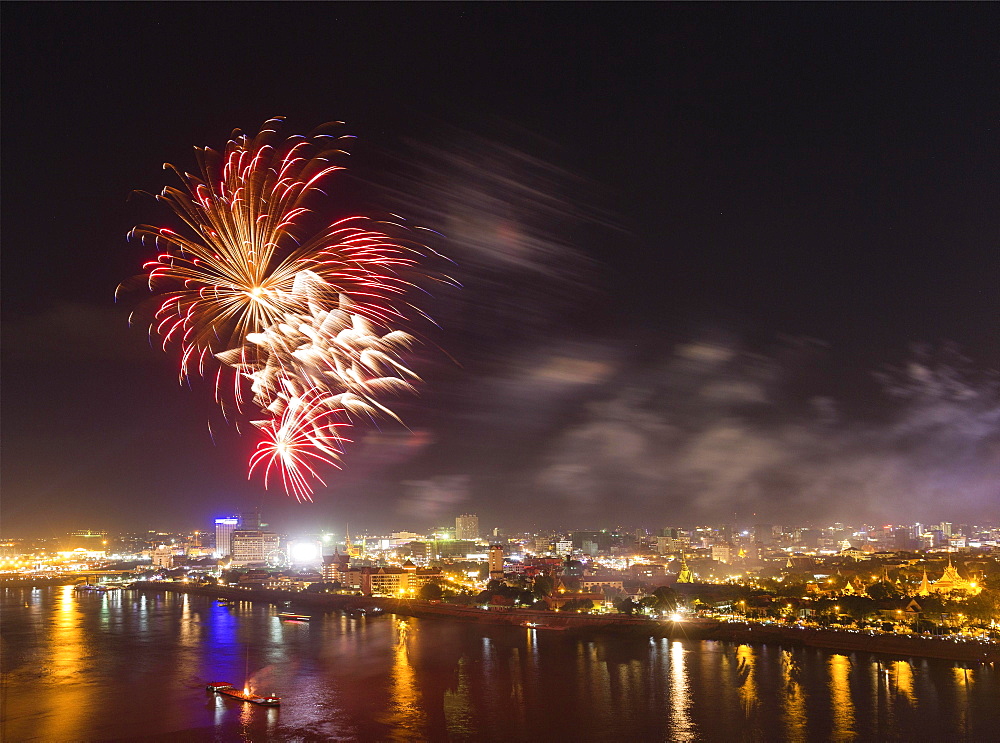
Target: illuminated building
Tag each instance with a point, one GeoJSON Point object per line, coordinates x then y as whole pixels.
{"type": "Point", "coordinates": [349, 546]}
{"type": "Point", "coordinates": [722, 552]}
{"type": "Point", "coordinates": [391, 581]}
{"type": "Point", "coordinates": [925, 586]}
{"type": "Point", "coordinates": [952, 581]}
{"type": "Point", "coordinates": [399, 538]}
{"type": "Point", "coordinates": [252, 546]}
{"type": "Point", "coordinates": [467, 527]}
{"type": "Point", "coordinates": [385, 581]}
{"type": "Point", "coordinates": [163, 557]}
{"type": "Point", "coordinates": [668, 545]}
{"type": "Point", "coordinates": [92, 541]}
{"type": "Point", "coordinates": [335, 568]}
{"type": "Point", "coordinates": [685, 575]}
{"type": "Point", "coordinates": [224, 529]}
{"type": "Point", "coordinates": [496, 561]}
{"type": "Point", "coordinates": [595, 583]}
{"type": "Point", "coordinates": [591, 542]}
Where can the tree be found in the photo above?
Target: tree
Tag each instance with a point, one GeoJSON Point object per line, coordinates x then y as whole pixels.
{"type": "Point", "coordinates": [626, 605]}
{"type": "Point", "coordinates": [230, 576]}
{"type": "Point", "coordinates": [666, 598]}
{"type": "Point", "coordinates": [572, 583]}
{"type": "Point", "coordinates": [431, 591]}
{"type": "Point", "coordinates": [323, 587]}
{"type": "Point", "coordinates": [578, 605]}
{"type": "Point", "coordinates": [542, 586]}
{"type": "Point", "coordinates": [882, 591]}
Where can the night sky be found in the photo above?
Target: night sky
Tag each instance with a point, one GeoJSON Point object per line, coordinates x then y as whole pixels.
{"type": "Point", "coordinates": [720, 263]}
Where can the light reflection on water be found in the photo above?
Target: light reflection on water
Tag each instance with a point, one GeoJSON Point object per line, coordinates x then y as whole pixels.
{"type": "Point", "coordinates": [794, 714]}
{"type": "Point", "coordinates": [71, 660]}
{"type": "Point", "coordinates": [682, 728]}
{"type": "Point", "coordinates": [840, 697]}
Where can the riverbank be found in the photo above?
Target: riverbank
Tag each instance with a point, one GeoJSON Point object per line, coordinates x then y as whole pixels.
{"type": "Point", "coordinates": [694, 629]}
{"type": "Point", "coordinates": [859, 641]}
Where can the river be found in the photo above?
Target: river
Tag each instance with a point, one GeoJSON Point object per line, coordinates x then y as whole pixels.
{"type": "Point", "coordinates": [132, 666]}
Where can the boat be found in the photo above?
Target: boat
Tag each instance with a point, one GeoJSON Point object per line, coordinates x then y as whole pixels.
{"type": "Point", "coordinates": [244, 695]}
{"type": "Point", "coordinates": [293, 617]}
{"type": "Point", "coordinates": [536, 625]}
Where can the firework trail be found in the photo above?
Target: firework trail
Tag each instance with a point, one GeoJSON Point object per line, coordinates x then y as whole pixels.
{"type": "Point", "coordinates": [304, 435]}
{"type": "Point", "coordinates": [295, 313]}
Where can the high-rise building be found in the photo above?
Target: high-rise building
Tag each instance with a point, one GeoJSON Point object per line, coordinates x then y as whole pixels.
{"type": "Point", "coordinates": [763, 533]}
{"type": "Point", "coordinates": [251, 520]}
{"type": "Point", "coordinates": [467, 526]}
{"type": "Point", "coordinates": [253, 546]}
{"type": "Point", "coordinates": [901, 539]}
{"type": "Point", "coordinates": [496, 561]}
{"type": "Point", "coordinates": [224, 529]}
{"type": "Point", "coordinates": [946, 528]}
{"type": "Point", "coordinates": [668, 545]}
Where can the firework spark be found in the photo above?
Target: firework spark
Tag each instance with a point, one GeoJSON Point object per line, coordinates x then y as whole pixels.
{"type": "Point", "coordinates": [303, 317]}
{"type": "Point", "coordinates": [304, 435]}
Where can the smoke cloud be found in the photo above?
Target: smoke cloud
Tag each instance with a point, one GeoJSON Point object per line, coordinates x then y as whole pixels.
{"type": "Point", "coordinates": [714, 430]}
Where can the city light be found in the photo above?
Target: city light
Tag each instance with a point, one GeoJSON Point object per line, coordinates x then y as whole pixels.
{"type": "Point", "coordinates": [304, 552]}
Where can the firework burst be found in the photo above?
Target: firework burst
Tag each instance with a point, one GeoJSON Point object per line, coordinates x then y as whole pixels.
{"type": "Point", "coordinates": [304, 436]}
{"type": "Point", "coordinates": [302, 317]}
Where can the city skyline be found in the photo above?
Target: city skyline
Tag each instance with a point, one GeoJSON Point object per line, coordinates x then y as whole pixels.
{"type": "Point", "coordinates": [698, 260]}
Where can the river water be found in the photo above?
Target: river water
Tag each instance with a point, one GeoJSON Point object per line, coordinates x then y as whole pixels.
{"type": "Point", "coordinates": [133, 666]}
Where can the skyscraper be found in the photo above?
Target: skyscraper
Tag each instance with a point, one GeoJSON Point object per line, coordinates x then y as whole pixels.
{"type": "Point", "coordinates": [467, 526]}
{"type": "Point", "coordinates": [251, 546]}
{"type": "Point", "coordinates": [251, 520]}
{"type": "Point", "coordinates": [763, 533]}
{"type": "Point", "coordinates": [224, 529]}
{"type": "Point", "coordinates": [496, 561]}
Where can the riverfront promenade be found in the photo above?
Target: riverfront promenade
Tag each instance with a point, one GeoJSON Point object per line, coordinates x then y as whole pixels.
{"type": "Point", "coordinates": [694, 629]}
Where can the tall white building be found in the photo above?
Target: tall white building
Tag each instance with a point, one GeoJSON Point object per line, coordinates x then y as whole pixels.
{"type": "Point", "coordinates": [253, 546]}
{"type": "Point", "coordinates": [224, 529]}
{"type": "Point", "coordinates": [467, 526]}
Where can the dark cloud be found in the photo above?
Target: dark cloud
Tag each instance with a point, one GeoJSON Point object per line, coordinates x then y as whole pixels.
{"type": "Point", "coordinates": [435, 501]}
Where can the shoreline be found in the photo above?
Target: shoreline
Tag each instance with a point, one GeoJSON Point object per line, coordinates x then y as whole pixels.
{"type": "Point", "coordinates": [692, 629]}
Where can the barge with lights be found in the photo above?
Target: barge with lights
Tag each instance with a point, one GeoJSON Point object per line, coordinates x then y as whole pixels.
{"type": "Point", "coordinates": [244, 695]}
